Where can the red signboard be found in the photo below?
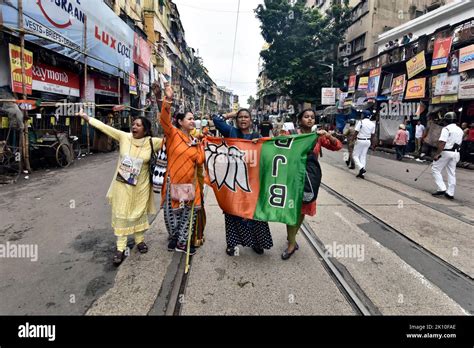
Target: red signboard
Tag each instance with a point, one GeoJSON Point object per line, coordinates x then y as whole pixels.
{"type": "Point", "coordinates": [352, 83]}
{"type": "Point", "coordinates": [51, 79]}
{"type": "Point", "coordinates": [441, 50]}
{"type": "Point", "coordinates": [106, 86]}
{"type": "Point", "coordinates": [141, 52]}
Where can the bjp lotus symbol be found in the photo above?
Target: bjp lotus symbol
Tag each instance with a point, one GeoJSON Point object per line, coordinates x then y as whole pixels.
{"type": "Point", "coordinates": [226, 166]}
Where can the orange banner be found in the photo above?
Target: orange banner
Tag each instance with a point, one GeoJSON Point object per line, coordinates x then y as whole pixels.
{"type": "Point", "coordinates": [416, 89]}
{"type": "Point", "coordinates": [235, 183]}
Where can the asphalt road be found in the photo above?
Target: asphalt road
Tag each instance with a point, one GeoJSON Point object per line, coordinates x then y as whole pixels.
{"type": "Point", "coordinates": [63, 212]}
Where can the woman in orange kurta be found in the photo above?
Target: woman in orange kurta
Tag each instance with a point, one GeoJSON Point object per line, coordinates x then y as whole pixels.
{"type": "Point", "coordinates": [185, 159]}
{"type": "Point", "coordinates": [306, 120]}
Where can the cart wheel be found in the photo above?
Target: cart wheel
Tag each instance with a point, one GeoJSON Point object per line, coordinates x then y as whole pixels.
{"type": "Point", "coordinates": [64, 155]}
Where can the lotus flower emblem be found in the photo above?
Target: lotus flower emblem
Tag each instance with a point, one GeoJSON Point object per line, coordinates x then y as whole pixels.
{"type": "Point", "coordinates": [226, 166]}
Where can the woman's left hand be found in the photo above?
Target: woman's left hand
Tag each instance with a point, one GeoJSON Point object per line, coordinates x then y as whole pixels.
{"type": "Point", "coordinates": [255, 140]}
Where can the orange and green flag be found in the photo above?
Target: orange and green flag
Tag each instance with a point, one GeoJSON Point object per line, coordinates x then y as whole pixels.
{"type": "Point", "coordinates": [261, 181]}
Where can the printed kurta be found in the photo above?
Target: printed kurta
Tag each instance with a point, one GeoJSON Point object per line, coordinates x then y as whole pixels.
{"type": "Point", "coordinates": [130, 204]}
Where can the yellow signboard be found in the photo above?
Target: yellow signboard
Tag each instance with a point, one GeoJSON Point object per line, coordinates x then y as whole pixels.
{"type": "Point", "coordinates": [53, 120]}
{"type": "Point", "coordinates": [68, 122]}
{"type": "Point", "coordinates": [5, 122]}
{"type": "Point", "coordinates": [416, 65]}
{"type": "Point", "coordinates": [16, 71]}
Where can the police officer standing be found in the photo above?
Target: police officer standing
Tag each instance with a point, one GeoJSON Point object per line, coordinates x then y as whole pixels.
{"type": "Point", "coordinates": [365, 131]}
{"type": "Point", "coordinates": [448, 154]}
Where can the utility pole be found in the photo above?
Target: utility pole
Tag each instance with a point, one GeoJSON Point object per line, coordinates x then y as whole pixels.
{"type": "Point", "coordinates": [24, 136]}
{"type": "Point", "coordinates": [331, 66]}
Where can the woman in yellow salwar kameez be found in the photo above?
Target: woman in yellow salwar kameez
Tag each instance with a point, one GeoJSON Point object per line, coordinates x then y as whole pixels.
{"type": "Point", "coordinates": [130, 193]}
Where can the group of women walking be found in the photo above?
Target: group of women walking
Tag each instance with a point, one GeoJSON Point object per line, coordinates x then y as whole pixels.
{"type": "Point", "coordinates": [131, 195]}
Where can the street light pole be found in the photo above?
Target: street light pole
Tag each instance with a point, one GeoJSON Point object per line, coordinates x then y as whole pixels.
{"type": "Point", "coordinates": [331, 66]}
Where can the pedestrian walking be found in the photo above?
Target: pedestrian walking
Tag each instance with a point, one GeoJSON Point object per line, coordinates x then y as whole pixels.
{"type": "Point", "coordinates": [419, 131]}
{"type": "Point", "coordinates": [365, 131]}
{"type": "Point", "coordinates": [306, 120]}
{"type": "Point", "coordinates": [400, 141]}
{"type": "Point", "coordinates": [182, 192]}
{"type": "Point", "coordinates": [130, 193]}
{"type": "Point", "coordinates": [447, 156]}
{"type": "Point", "coordinates": [239, 231]}
{"type": "Point", "coordinates": [350, 135]}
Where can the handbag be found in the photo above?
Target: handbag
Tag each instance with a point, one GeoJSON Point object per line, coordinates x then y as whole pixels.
{"type": "Point", "coordinates": [184, 192]}
{"type": "Point", "coordinates": [158, 165]}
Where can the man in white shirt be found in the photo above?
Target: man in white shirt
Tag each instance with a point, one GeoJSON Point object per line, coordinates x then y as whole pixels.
{"type": "Point", "coordinates": [419, 130]}
{"type": "Point", "coordinates": [365, 131]}
{"type": "Point", "coordinates": [448, 154]}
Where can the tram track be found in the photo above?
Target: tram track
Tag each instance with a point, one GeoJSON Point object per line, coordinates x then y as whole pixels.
{"type": "Point", "coordinates": [451, 280]}
{"type": "Point", "coordinates": [437, 207]}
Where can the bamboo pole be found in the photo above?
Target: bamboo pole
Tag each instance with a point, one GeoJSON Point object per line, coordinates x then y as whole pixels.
{"type": "Point", "coordinates": [85, 84]}
{"type": "Point", "coordinates": [24, 137]}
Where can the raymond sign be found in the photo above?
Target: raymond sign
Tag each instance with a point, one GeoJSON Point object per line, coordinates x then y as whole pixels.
{"type": "Point", "coordinates": [15, 69]}
{"type": "Point", "coordinates": [416, 65]}
{"type": "Point", "coordinates": [442, 47]}
{"type": "Point", "coordinates": [53, 80]}
{"type": "Point", "coordinates": [416, 89]}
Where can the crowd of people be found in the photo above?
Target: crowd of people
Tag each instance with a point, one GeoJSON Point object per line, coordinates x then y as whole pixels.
{"type": "Point", "coordinates": [131, 192]}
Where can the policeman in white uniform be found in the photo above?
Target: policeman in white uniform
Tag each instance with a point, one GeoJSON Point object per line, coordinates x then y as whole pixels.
{"type": "Point", "coordinates": [448, 154]}
{"type": "Point", "coordinates": [365, 131]}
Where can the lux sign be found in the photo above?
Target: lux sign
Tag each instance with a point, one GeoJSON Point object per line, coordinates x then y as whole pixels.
{"type": "Point", "coordinates": [109, 40]}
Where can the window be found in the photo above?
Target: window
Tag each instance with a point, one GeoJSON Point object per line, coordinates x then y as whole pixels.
{"type": "Point", "coordinates": [359, 43]}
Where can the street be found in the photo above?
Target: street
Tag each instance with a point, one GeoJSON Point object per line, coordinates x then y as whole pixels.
{"type": "Point", "coordinates": [421, 264]}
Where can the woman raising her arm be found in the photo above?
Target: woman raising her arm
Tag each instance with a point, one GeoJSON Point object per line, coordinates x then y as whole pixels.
{"type": "Point", "coordinates": [239, 231]}
{"type": "Point", "coordinates": [130, 193]}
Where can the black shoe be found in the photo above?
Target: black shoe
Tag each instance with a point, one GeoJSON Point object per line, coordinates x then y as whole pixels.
{"type": "Point", "coordinates": [172, 244]}
{"type": "Point", "coordinates": [352, 167]}
{"type": "Point", "coordinates": [448, 196]}
{"type": "Point", "coordinates": [119, 256]}
{"type": "Point", "coordinates": [363, 171]}
{"type": "Point", "coordinates": [286, 255]}
{"type": "Point", "coordinates": [230, 251]}
{"type": "Point", "coordinates": [259, 251]}
{"type": "Point", "coordinates": [184, 249]}
{"type": "Point", "coordinates": [142, 247]}
{"type": "Point", "coordinates": [438, 193]}
{"type": "Point", "coordinates": [347, 163]}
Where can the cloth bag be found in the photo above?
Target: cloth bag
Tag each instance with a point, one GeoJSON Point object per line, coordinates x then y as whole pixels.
{"type": "Point", "coordinates": [158, 164]}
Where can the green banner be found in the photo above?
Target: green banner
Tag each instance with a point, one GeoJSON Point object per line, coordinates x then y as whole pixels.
{"type": "Point", "coordinates": [282, 177]}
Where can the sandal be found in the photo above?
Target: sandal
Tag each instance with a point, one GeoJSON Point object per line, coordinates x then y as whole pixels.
{"type": "Point", "coordinates": [230, 251]}
{"type": "Point", "coordinates": [142, 247]}
{"type": "Point", "coordinates": [118, 257]}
